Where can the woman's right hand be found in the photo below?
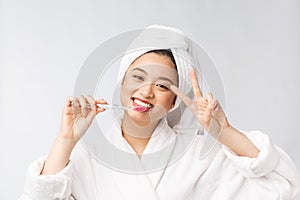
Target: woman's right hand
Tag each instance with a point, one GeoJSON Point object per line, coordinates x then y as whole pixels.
{"type": "Point", "coordinates": [77, 116]}
{"type": "Point", "coordinates": [76, 119]}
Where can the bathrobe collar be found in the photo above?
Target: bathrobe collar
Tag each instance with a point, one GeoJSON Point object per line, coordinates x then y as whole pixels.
{"type": "Point", "coordinates": [162, 136]}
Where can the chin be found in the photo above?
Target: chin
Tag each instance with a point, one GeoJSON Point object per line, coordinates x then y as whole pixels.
{"type": "Point", "coordinates": [139, 118]}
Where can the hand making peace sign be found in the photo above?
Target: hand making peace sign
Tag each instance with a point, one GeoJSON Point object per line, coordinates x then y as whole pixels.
{"type": "Point", "coordinates": [207, 110]}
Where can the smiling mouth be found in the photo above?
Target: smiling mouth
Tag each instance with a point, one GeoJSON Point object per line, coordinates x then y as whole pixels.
{"type": "Point", "coordinates": [141, 105]}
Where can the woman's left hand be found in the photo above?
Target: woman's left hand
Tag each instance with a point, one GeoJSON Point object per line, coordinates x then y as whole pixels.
{"type": "Point", "coordinates": [206, 109]}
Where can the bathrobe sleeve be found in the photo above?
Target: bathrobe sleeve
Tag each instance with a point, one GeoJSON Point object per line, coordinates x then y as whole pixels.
{"type": "Point", "coordinates": [271, 172]}
{"type": "Point", "coordinates": [46, 187]}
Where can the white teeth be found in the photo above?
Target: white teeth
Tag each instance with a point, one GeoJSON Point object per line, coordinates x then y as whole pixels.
{"type": "Point", "coordinates": [140, 103]}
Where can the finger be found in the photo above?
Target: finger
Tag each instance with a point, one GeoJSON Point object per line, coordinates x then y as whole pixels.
{"type": "Point", "coordinates": [181, 95]}
{"type": "Point", "coordinates": [69, 101]}
{"type": "Point", "coordinates": [91, 102]}
{"type": "Point", "coordinates": [82, 102]}
{"type": "Point", "coordinates": [202, 107]}
{"type": "Point", "coordinates": [75, 102]}
{"type": "Point", "coordinates": [91, 116]}
{"type": "Point", "coordinates": [101, 101]}
{"type": "Point", "coordinates": [212, 106]}
{"type": "Point", "coordinates": [195, 84]}
{"type": "Point", "coordinates": [99, 110]}
{"type": "Point", "coordinates": [215, 104]}
{"type": "Point", "coordinates": [203, 102]}
{"type": "Point", "coordinates": [76, 110]}
{"type": "Point", "coordinates": [209, 97]}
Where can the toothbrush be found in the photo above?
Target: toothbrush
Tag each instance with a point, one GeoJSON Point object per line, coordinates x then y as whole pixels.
{"type": "Point", "coordinates": [109, 106]}
{"type": "Point", "coordinates": [114, 106]}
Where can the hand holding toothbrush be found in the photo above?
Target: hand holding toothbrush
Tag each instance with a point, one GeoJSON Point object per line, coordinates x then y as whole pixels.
{"type": "Point", "coordinates": [78, 114]}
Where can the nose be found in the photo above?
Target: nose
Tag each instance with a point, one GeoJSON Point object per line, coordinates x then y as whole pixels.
{"type": "Point", "coordinates": [147, 91]}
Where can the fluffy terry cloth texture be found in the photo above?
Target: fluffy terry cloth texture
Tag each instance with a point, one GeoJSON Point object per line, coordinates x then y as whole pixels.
{"type": "Point", "coordinates": [220, 175]}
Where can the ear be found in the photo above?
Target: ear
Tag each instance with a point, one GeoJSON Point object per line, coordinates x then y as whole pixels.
{"type": "Point", "coordinates": [123, 78]}
{"type": "Point", "coordinates": [174, 101]}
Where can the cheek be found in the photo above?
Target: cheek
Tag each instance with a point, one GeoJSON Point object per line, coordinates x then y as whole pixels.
{"type": "Point", "coordinates": [166, 100]}
{"type": "Point", "coordinates": [127, 90]}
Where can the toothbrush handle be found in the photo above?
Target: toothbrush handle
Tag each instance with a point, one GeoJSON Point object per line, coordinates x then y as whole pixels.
{"type": "Point", "coordinates": [108, 106]}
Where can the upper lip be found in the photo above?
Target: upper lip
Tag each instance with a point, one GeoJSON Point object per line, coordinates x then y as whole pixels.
{"type": "Point", "coordinates": [144, 101]}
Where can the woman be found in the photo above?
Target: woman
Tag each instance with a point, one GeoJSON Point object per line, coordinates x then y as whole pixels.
{"type": "Point", "coordinates": [246, 166]}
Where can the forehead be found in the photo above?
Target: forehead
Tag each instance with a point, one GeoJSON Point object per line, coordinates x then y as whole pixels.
{"type": "Point", "coordinates": [150, 59]}
{"type": "Point", "coordinates": [155, 71]}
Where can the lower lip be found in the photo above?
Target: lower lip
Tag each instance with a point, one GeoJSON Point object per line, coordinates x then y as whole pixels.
{"type": "Point", "coordinates": [140, 108]}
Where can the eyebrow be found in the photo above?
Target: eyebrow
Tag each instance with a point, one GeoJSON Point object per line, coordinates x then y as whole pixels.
{"type": "Point", "coordinates": [161, 78]}
{"type": "Point", "coordinates": [166, 79]}
{"type": "Point", "coordinates": [139, 69]}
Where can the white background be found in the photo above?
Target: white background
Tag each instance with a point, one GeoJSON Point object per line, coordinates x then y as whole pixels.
{"type": "Point", "coordinates": [255, 45]}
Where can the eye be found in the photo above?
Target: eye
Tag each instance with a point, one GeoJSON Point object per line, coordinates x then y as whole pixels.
{"type": "Point", "coordinates": [138, 77]}
{"type": "Point", "coordinates": [162, 86]}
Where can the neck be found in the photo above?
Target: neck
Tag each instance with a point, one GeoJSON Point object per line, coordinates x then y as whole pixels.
{"type": "Point", "coordinates": [136, 135]}
{"type": "Point", "coordinates": [138, 144]}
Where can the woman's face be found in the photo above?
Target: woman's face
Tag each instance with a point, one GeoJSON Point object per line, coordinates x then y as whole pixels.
{"type": "Point", "coordinates": [145, 88]}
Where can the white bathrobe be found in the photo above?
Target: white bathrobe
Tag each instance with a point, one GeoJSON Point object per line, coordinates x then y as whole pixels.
{"type": "Point", "coordinates": [221, 175]}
